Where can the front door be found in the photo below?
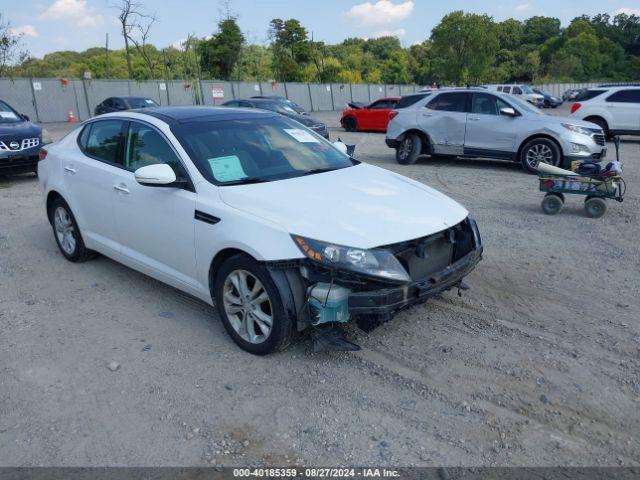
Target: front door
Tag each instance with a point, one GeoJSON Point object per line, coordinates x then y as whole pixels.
{"type": "Point", "coordinates": [489, 132]}
{"type": "Point", "coordinates": [625, 108]}
{"type": "Point", "coordinates": [155, 224]}
{"type": "Point", "coordinates": [378, 114]}
{"type": "Point", "coordinates": [444, 119]}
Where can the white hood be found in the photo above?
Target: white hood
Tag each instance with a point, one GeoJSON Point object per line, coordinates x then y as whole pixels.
{"type": "Point", "coordinates": [361, 206]}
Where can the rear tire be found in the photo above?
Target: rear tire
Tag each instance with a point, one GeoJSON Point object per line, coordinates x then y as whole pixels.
{"type": "Point", "coordinates": [350, 124]}
{"type": "Point", "coordinates": [602, 123]}
{"type": "Point", "coordinates": [539, 150]}
{"type": "Point", "coordinates": [408, 151]}
{"type": "Point", "coordinates": [250, 306]}
{"type": "Point", "coordinates": [595, 207]}
{"type": "Point", "coordinates": [67, 233]}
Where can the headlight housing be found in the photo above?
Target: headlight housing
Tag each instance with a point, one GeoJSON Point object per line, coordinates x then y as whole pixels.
{"type": "Point", "coordinates": [375, 262]}
{"type": "Point", "coordinates": [577, 129]}
{"type": "Point", "coordinates": [46, 137]}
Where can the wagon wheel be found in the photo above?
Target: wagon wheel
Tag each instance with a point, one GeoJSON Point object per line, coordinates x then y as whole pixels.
{"type": "Point", "coordinates": [595, 207]}
{"type": "Point", "coordinates": [552, 203]}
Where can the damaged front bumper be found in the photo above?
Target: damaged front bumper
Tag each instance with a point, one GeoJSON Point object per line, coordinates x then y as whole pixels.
{"type": "Point", "coordinates": [386, 302]}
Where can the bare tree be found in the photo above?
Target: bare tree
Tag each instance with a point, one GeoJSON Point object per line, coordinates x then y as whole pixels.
{"type": "Point", "coordinates": [10, 46]}
{"type": "Point", "coordinates": [135, 27]}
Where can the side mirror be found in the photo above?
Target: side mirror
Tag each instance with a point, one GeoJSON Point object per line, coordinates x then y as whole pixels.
{"type": "Point", "coordinates": [24, 117]}
{"type": "Point", "coordinates": [158, 175]}
{"type": "Point", "coordinates": [508, 111]}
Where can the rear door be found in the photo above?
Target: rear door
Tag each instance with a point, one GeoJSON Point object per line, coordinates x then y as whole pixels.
{"type": "Point", "coordinates": [625, 108]}
{"type": "Point", "coordinates": [444, 119]}
{"type": "Point", "coordinates": [89, 175]}
{"type": "Point", "coordinates": [488, 131]}
{"type": "Point", "coordinates": [155, 224]}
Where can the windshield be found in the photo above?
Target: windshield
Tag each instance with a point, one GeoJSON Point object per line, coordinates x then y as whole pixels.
{"type": "Point", "coordinates": [8, 115]}
{"type": "Point", "coordinates": [251, 150]}
{"type": "Point", "coordinates": [524, 105]}
{"type": "Point", "coordinates": [141, 103]}
{"type": "Point", "coordinates": [527, 89]}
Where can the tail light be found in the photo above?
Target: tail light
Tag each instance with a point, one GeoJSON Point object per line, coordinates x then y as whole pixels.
{"type": "Point", "coordinates": [575, 107]}
{"type": "Point", "coordinates": [42, 154]}
{"type": "Point", "coordinates": [392, 114]}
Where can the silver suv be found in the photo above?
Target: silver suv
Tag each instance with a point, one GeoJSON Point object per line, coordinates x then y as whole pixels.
{"type": "Point", "coordinates": [478, 123]}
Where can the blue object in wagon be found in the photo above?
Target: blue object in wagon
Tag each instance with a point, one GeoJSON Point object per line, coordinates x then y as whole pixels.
{"type": "Point", "coordinates": [589, 168]}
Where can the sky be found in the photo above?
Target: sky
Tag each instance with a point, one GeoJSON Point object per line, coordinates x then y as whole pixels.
{"type": "Point", "coordinates": [50, 25]}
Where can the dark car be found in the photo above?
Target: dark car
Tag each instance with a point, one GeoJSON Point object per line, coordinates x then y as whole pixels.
{"type": "Point", "coordinates": [275, 106]}
{"type": "Point", "coordinates": [20, 141]}
{"type": "Point", "coordinates": [283, 101]}
{"type": "Point", "coordinates": [549, 100]}
{"type": "Point", "coordinates": [118, 104]}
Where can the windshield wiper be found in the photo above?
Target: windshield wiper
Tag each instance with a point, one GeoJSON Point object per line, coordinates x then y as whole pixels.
{"type": "Point", "coordinates": [313, 171]}
{"type": "Point", "coordinates": [247, 181]}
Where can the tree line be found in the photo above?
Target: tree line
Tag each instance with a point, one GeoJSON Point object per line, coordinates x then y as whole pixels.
{"type": "Point", "coordinates": [464, 48]}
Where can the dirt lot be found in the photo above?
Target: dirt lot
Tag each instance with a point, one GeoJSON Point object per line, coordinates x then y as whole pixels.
{"type": "Point", "coordinates": [538, 364]}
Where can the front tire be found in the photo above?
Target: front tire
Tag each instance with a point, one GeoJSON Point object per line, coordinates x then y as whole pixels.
{"type": "Point", "coordinates": [595, 207]}
{"type": "Point", "coordinates": [67, 233]}
{"type": "Point", "coordinates": [350, 124]}
{"type": "Point", "coordinates": [539, 150]}
{"type": "Point", "coordinates": [250, 306]}
{"type": "Point", "coordinates": [408, 151]}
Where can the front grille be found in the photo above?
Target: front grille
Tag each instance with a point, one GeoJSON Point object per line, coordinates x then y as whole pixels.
{"type": "Point", "coordinates": [19, 145]}
{"type": "Point", "coordinates": [428, 255]}
{"type": "Point", "coordinates": [599, 139]}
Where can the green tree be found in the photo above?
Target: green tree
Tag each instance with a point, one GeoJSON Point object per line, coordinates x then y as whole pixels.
{"type": "Point", "coordinates": [464, 47]}
{"type": "Point", "coordinates": [291, 49]}
{"type": "Point", "coordinates": [510, 34]}
{"type": "Point", "coordinates": [538, 30]}
{"type": "Point", "coordinates": [220, 54]}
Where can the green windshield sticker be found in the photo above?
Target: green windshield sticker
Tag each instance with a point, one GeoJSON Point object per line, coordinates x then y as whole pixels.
{"type": "Point", "coordinates": [227, 169]}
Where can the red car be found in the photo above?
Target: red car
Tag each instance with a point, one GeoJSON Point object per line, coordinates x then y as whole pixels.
{"type": "Point", "coordinates": [375, 116]}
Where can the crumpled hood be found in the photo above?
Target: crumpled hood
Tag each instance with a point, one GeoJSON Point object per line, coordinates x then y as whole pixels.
{"type": "Point", "coordinates": [361, 206]}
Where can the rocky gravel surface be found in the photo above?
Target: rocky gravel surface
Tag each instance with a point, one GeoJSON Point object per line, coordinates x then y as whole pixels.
{"type": "Point", "coordinates": [538, 364]}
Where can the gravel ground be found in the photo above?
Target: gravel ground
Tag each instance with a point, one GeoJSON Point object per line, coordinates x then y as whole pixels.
{"type": "Point", "coordinates": [538, 364]}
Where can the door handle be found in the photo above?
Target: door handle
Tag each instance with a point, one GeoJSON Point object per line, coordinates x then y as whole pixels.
{"type": "Point", "coordinates": [121, 188]}
{"type": "Point", "coordinates": [71, 170]}
{"type": "Point", "coordinates": [427, 114]}
{"type": "Point", "coordinates": [474, 119]}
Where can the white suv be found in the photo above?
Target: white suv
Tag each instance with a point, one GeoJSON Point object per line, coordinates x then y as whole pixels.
{"type": "Point", "coordinates": [615, 109]}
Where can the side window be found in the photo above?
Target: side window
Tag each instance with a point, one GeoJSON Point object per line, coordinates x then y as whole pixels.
{"type": "Point", "coordinates": [506, 89]}
{"type": "Point", "coordinates": [146, 146]}
{"type": "Point", "coordinates": [84, 135]}
{"type": "Point", "coordinates": [484, 104]}
{"type": "Point", "coordinates": [625, 96]}
{"type": "Point", "coordinates": [517, 91]}
{"type": "Point", "coordinates": [500, 88]}
{"type": "Point", "coordinates": [103, 140]}
{"type": "Point", "coordinates": [502, 104]}
{"type": "Point", "coordinates": [449, 102]}
{"type": "Point", "coordinates": [232, 103]}
{"type": "Point", "coordinates": [245, 104]}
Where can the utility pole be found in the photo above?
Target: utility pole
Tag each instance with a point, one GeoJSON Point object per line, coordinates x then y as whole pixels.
{"type": "Point", "coordinates": [106, 56]}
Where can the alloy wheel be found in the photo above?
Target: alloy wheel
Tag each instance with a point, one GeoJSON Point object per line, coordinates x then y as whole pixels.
{"type": "Point", "coordinates": [405, 148]}
{"type": "Point", "coordinates": [539, 153]}
{"type": "Point", "coordinates": [248, 306]}
{"type": "Point", "coordinates": [65, 232]}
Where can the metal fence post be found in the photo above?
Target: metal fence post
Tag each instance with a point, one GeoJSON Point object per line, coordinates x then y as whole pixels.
{"type": "Point", "coordinates": [86, 95]}
{"type": "Point", "coordinates": [350, 92]}
{"type": "Point", "coordinates": [33, 99]}
{"type": "Point", "coordinates": [310, 98]}
{"type": "Point", "coordinates": [369, 91]}
{"type": "Point", "coordinates": [286, 93]}
{"type": "Point", "coordinates": [333, 105]}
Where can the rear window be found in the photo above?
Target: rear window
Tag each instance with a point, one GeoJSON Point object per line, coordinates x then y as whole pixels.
{"type": "Point", "coordinates": [410, 100]}
{"type": "Point", "coordinates": [449, 102]}
{"type": "Point", "coordinates": [142, 103]}
{"type": "Point", "coordinates": [589, 94]}
{"type": "Point", "coordinates": [625, 96]}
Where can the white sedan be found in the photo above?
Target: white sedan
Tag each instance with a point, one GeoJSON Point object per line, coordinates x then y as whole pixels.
{"type": "Point", "coordinates": [250, 208]}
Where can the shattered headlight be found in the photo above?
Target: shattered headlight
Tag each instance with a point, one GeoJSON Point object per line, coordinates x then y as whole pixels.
{"type": "Point", "coordinates": [577, 129]}
{"type": "Point", "coordinates": [375, 262]}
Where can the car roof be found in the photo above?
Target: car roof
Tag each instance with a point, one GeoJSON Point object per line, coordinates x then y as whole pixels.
{"type": "Point", "coordinates": [174, 115]}
{"type": "Point", "coordinates": [132, 97]}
